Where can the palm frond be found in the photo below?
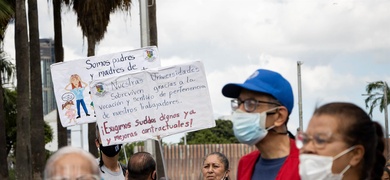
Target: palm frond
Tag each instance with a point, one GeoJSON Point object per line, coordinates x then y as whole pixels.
{"type": "Point", "coordinates": [375, 91]}
{"type": "Point", "coordinates": [93, 16]}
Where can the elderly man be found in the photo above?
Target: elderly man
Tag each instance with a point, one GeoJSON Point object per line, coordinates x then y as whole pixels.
{"type": "Point", "coordinates": [141, 166]}
{"type": "Point", "coordinates": [71, 163]}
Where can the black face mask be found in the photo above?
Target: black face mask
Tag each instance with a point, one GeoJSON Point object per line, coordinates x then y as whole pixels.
{"type": "Point", "coordinates": [110, 151]}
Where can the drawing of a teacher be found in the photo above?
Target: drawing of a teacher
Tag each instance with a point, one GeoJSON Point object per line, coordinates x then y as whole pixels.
{"type": "Point", "coordinates": [77, 88]}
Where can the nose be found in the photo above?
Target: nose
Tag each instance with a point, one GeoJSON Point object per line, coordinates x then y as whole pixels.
{"type": "Point", "coordinates": [210, 170]}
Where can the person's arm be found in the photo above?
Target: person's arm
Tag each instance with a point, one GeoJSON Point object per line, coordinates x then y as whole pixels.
{"type": "Point", "coordinates": [66, 87]}
{"type": "Point", "coordinates": [84, 83]}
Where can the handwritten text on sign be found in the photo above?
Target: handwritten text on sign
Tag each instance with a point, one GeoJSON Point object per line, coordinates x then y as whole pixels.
{"type": "Point", "coordinates": [71, 78]}
{"type": "Point", "coordinates": [151, 103]}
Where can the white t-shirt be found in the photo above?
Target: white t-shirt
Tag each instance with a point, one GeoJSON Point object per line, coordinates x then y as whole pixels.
{"type": "Point", "coordinates": [110, 175]}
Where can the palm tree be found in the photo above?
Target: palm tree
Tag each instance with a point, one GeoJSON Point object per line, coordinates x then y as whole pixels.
{"type": "Point", "coordinates": [37, 123]}
{"type": "Point", "coordinates": [6, 14]}
{"type": "Point", "coordinates": [23, 146]}
{"type": "Point", "coordinates": [376, 96]}
{"type": "Point", "coordinates": [59, 56]}
{"type": "Point", "coordinates": [93, 17]}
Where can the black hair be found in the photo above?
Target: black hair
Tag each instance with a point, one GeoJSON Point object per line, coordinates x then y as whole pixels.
{"type": "Point", "coordinates": [358, 129]}
{"type": "Point", "coordinates": [141, 165]}
{"type": "Point", "coordinates": [222, 158]}
{"type": "Point", "coordinates": [101, 163]}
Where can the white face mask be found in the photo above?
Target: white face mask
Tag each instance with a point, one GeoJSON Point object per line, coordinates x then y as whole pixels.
{"type": "Point", "coordinates": [318, 167]}
{"type": "Point", "coordinates": [249, 128]}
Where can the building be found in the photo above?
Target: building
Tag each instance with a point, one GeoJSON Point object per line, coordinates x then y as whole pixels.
{"type": "Point", "coordinates": [47, 59]}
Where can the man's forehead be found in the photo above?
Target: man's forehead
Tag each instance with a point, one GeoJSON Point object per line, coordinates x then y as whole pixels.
{"type": "Point", "coordinates": [71, 165]}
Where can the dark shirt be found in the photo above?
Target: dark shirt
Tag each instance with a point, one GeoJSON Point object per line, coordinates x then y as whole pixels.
{"type": "Point", "coordinates": [267, 168]}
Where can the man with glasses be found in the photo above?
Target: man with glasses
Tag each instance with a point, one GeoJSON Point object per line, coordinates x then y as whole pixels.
{"type": "Point", "coordinates": [261, 108]}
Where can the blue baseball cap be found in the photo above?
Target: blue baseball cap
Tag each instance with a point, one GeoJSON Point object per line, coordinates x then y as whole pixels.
{"type": "Point", "coordinates": [264, 81]}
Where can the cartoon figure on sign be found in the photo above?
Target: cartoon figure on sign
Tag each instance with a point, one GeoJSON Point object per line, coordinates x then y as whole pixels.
{"type": "Point", "coordinates": [70, 111]}
{"type": "Point", "coordinates": [77, 89]}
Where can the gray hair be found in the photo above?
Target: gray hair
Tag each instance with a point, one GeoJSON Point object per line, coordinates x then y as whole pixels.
{"type": "Point", "coordinates": [66, 151]}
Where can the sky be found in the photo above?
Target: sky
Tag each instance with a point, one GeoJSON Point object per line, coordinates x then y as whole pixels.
{"type": "Point", "coordinates": [343, 45]}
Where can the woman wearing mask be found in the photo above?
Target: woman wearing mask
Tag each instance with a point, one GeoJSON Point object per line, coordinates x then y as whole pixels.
{"type": "Point", "coordinates": [341, 142]}
{"type": "Point", "coordinates": [110, 167]}
{"type": "Point", "coordinates": [215, 167]}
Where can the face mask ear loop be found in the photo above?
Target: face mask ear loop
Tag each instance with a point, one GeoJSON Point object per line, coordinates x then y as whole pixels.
{"type": "Point", "coordinates": [224, 176]}
{"type": "Point", "coordinates": [270, 127]}
{"type": "Point", "coordinates": [344, 152]}
{"type": "Point", "coordinates": [345, 169]}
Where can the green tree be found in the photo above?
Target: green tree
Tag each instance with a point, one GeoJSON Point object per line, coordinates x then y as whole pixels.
{"type": "Point", "coordinates": [7, 69]}
{"type": "Point", "coordinates": [222, 133]}
{"type": "Point", "coordinates": [93, 17]}
{"type": "Point", "coordinates": [7, 12]}
{"type": "Point", "coordinates": [129, 149]}
{"type": "Point", "coordinates": [10, 124]}
{"type": "Point", "coordinates": [375, 91]}
{"type": "Point", "coordinates": [10, 118]}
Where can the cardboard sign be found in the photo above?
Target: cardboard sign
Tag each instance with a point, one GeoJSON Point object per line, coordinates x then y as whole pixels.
{"type": "Point", "coordinates": [70, 80]}
{"type": "Point", "coordinates": [156, 102]}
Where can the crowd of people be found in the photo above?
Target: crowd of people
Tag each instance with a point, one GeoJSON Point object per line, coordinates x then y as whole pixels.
{"type": "Point", "coordinates": [341, 141]}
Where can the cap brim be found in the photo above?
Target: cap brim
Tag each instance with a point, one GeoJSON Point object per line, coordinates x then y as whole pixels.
{"type": "Point", "coordinates": [233, 90]}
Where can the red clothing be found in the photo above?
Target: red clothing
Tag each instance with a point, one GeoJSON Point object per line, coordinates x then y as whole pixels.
{"type": "Point", "coordinates": [289, 169]}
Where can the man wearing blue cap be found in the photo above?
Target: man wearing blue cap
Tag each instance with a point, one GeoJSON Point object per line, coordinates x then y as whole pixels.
{"type": "Point", "coordinates": [261, 108]}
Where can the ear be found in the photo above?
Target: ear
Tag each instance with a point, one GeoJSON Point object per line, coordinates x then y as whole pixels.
{"type": "Point", "coordinates": [97, 143]}
{"type": "Point", "coordinates": [154, 175]}
{"type": "Point", "coordinates": [282, 115]}
{"type": "Point", "coordinates": [357, 155]}
{"type": "Point", "coordinates": [227, 173]}
{"type": "Point", "coordinates": [127, 174]}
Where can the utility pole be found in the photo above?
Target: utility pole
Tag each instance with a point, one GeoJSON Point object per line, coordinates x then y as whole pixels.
{"type": "Point", "coordinates": [145, 41]}
{"type": "Point", "coordinates": [299, 63]}
{"type": "Point", "coordinates": [144, 19]}
{"type": "Point", "coordinates": [149, 38]}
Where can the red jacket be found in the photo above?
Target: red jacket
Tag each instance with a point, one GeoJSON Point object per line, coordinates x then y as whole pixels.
{"type": "Point", "coordinates": [289, 169]}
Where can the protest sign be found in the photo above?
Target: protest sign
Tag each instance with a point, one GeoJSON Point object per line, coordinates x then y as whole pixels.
{"type": "Point", "coordinates": [155, 102]}
{"type": "Point", "coordinates": [71, 78]}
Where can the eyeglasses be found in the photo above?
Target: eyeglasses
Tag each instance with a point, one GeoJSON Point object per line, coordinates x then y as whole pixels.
{"type": "Point", "coordinates": [319, 140]}
{"type": "Point", "coordinates": [249, 104]}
